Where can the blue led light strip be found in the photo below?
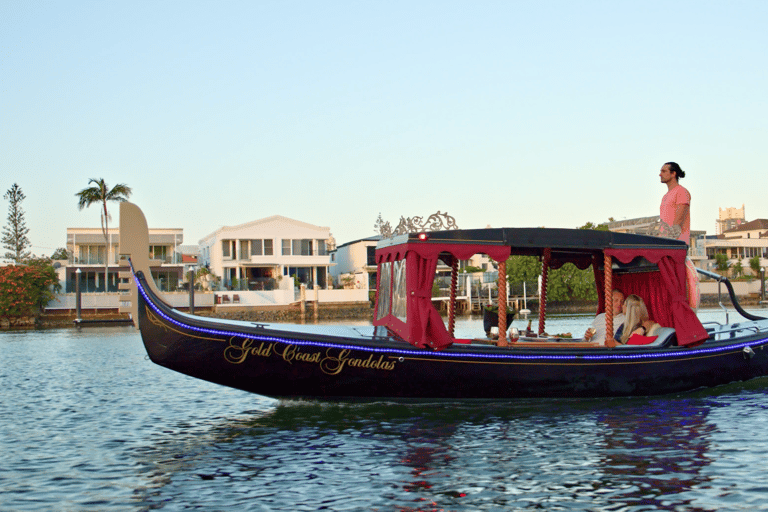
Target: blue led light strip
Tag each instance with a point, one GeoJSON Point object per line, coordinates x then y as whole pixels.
{"type": "Point", "coordinates": [434, 355]}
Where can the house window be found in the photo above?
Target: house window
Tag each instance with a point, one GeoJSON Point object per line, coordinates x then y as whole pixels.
{"type": "Point", "coordinates": [301, 247]}
{"type": "Point", "coordinates": [261, 247]}
{"type": "Point", "coordinates": [244, 250]}
{"type": "Point", "coordinates": [225, 248]}
{"type": "Point", "coordinates": [297, 247]}
{"type": "Point", "coordinates": [166, 281]}
{"type": "Point", "coordinates": [321, 248]}
{"type": "Point", "coordinates": [91, 254]}
{"type": "Point", "coordinates": [371, 255]}
{"type": "Point", "coordinates": [158, 252]}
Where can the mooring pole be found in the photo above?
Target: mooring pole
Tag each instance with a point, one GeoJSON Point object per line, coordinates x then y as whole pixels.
{"type": "Point", "coordinates": [191, 292]}
{"type": "Point", "coordinates": [78, 298]}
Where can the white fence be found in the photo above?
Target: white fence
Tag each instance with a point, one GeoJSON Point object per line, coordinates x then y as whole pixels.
{"type": "Point", "coordinates": [741, 288]}
{"type": "Point", "coordinates": [207, 299]}
{"type": "Point", "coordinates": [112, 300]}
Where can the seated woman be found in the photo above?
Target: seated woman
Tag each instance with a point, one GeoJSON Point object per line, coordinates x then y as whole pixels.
{"type": "Point", "coordinates": [636, 320]}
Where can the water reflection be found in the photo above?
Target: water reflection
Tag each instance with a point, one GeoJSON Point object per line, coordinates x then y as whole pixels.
{"type": "Point", "coordinates": [534, 454]}
{"type": "Point", "coordinates": [658, 450]}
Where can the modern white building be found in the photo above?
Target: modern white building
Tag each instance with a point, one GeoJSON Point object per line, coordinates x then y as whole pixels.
{"type": "Point", "coordinates": [729, 218]}
{"type": "Point", "coordinates": [354, 264]}
{"type": "Point", "coordinates": [88, 251]}
{"type": "Point", "coordinates": [258, 254]}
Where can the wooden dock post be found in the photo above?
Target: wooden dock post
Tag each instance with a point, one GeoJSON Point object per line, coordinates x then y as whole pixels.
{"type": "Point", "coordinates": [316, 307]}
{"type": "Point", "coordinates": [303, 301]}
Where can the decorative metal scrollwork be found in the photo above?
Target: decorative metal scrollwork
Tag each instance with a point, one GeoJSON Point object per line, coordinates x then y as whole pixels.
{"type": "Point", "coordinates": [436, 222]}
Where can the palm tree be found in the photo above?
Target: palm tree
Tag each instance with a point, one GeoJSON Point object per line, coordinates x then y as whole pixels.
{"type": "Point", "coordinates": [100, 193]}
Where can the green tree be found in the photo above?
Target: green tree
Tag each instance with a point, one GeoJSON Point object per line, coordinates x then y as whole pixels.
{"type": "Point", "coordinates": [60, 254]}
{"type": "Point", "coordinates": [522, 269]}
{"type": "Point", "coordinates": [754, 264]}
{"type": "Point", "coordinates": [721, 262]}
{"type": "Point", "coordinates": [596, 227]}
{"type": "Point", "coordinates": [570, 283]}
{"type": "Point", "coordinates": [15, 232]}
{"type": "Point", "coordinates": [100, 193]}
{"type": "Point", "coordinates": [737, 269]}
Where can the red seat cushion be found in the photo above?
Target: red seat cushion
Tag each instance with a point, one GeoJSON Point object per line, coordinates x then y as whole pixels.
{"type": "Point", "coordinates": [639, 339]}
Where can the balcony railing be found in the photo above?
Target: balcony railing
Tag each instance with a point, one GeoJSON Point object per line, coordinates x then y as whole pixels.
{"type": "Point", "coordinates": [73, 260]}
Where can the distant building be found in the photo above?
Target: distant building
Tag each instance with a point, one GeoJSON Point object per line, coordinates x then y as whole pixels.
{"type": "Point", "coordinates": [729, 218]}
{"type": "Point", "coordinates": [188, 255]}
{"type": "Point", "coordinates": [638, 226]}
{"type": "Point", "coordinates": [739, 244]}
{"type": "Point", "coordinates": [757, 228]}
{"type": "Point", "coordinates": [649, 226]}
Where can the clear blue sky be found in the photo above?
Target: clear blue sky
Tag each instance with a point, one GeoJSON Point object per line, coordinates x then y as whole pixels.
{"type": "Point", "coordinates": [511, 113]}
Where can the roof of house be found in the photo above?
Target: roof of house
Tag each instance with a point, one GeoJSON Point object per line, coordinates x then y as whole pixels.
{"type": "Point", "coordinates": [192, 250]}
{"type": "Point", "coordinates": [752, 225]}
{"type": "Point", "coordinates": [274, 220]}
{"type": "Point", "coordinates": [374, 238]}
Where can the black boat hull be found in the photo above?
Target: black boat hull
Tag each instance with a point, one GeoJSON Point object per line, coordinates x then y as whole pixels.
{"type": "Point", "coordinates": [280, 363]}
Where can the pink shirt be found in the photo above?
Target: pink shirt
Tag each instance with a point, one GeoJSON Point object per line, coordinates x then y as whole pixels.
{"type": "Point", "coordinates": [677, 196]}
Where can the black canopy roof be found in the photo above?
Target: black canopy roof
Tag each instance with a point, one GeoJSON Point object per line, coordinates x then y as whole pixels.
{"type": "Point", "coordinates": [533, 241]}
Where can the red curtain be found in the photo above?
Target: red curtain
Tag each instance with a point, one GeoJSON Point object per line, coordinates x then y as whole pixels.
{"type": "Point", "coordinates": [424, 326]}
{"type": "Point", "coordinates": [664, 291]}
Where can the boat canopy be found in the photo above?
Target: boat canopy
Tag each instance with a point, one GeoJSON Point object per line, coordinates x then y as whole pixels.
{"type": "Point", "coordinates": [651, 267]}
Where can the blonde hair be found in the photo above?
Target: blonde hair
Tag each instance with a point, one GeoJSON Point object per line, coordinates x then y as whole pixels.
{"type": "Point", "coordinates": [636, 314]}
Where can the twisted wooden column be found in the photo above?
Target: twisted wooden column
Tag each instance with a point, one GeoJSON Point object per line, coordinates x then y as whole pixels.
{"type": "Point", "coordinates": [608, 277]}
{"type": "Point", "coordinates": [502, 287]}
{"type": "Point", "coordinates": [452, 302]}
{"type": "Point", "coordinates": [543, 295]}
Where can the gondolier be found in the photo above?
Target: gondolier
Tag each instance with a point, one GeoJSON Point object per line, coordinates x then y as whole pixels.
{"type": "Point", "coordinates": [675, 211]}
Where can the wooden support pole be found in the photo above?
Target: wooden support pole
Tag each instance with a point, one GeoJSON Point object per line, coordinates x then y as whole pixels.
{"type": "Point", "coordinates": [452, 303]}
{"type": "Point", "coordinates": [608, 290]}
{"type": "Point", "coordinates": [502, 289]}
{"type": "Point", "coordinates": [543, 294]}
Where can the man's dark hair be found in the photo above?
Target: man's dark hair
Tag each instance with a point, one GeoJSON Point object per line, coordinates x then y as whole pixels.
{"type": "Point", "coordinates": [675, 168]}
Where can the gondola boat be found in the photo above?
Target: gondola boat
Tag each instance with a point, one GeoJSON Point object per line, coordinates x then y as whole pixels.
{"type": "Point", "coordinates": [410, 352]}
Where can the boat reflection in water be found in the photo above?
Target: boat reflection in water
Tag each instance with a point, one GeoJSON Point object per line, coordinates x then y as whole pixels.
{"type": "Point", "coordinates": [546, 454]}
{"type": "Point", "coordinates": [659, 449]}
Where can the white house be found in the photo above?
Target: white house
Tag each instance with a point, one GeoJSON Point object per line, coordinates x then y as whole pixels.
{"type": "Point", "coordinates": [88, 252]}
{"type": "Point", "coordinates": [354, 263]}
{"type": "Point", "coordinates": [259, 254]}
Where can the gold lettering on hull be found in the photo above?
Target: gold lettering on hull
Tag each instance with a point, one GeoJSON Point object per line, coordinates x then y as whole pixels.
{"type": "Point", "coordinates": [331, 361]}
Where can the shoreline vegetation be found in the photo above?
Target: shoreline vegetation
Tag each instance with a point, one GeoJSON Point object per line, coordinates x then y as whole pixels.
{"type": "Point", "coordinates": [293, 314]}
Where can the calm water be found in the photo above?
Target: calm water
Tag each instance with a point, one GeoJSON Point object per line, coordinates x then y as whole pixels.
{"type": "Point", "coordinates": [88, 423]}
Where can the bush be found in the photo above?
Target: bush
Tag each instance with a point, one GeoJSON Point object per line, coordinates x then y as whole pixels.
{"type": "Point", "coordinates": [24, 290]}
